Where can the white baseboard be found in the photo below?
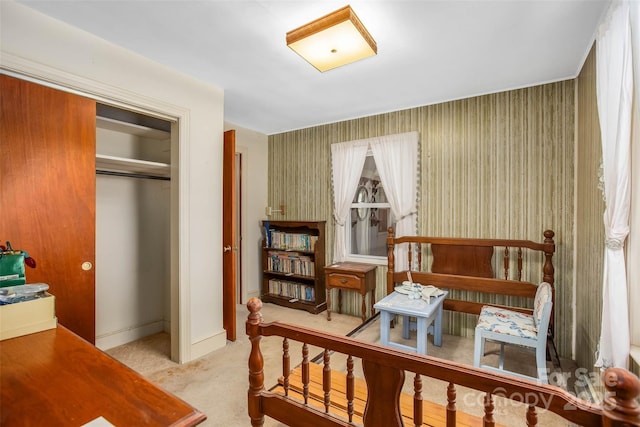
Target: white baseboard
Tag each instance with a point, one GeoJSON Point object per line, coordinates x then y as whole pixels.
{"type": "Point", "coordinates": [114, 339]}
{"type": "Point", "coordinates": [208, 345]}
{"type": "Point", "coordinates": [635, 353]}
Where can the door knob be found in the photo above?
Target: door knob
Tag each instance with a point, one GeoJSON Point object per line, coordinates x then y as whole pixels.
{"type": "Point", "coordinates": [226, 248]}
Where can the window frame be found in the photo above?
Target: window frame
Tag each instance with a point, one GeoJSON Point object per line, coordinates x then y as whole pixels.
{"type": "Point", "coordinates": [366, 259]}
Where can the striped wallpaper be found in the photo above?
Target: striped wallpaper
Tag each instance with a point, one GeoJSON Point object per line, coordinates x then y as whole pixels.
{"type": "Point", "coordinates": [499, 165]}
{"type": "Point", "coordinates": [589, 225]}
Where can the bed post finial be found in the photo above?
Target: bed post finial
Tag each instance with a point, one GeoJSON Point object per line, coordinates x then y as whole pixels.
{"type": "Point", "coordinates": [548, 273]}
{"type": "Point", "coordinates": [549, 249]}
{"type": "Point", "coordinates": [256, 362]}
{"type": "Point", "coordinates": [390, 259]}
{"type": "Point", "coordinates": [620, 407]}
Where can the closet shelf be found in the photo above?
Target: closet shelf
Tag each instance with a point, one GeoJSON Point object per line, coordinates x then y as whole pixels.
{"type": "Point", "coordinates": [131, 129]}
{"type": "Point", "coordinates": [123, 164]}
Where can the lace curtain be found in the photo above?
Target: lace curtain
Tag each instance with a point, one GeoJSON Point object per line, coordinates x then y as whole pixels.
{"type": "Point", "coordinates": [347, 161]}
{"type": "Point", "coordinates": [396, 158]}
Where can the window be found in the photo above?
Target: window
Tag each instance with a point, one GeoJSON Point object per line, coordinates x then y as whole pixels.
{"type": "Point", "coordinates": [363, 207]}
{"type": "Point", "coordinates": [371, 216]}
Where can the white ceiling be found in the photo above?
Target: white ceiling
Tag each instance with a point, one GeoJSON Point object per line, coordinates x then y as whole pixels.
{"type": "Point", "coordinates": [428, 51]}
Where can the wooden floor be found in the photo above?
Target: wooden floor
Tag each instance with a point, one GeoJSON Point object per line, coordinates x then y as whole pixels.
{"type": "Point", "coordinates": [433, 414]}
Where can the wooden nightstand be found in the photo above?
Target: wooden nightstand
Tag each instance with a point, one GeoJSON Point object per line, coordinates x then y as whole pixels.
{"type": "Point", "coordinates": [350, 276]}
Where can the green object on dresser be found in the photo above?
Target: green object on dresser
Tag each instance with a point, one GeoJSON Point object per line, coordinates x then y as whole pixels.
{"type": "Point", "coordinates": [12, 266]}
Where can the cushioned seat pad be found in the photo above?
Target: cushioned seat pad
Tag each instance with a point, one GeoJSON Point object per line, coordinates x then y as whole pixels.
{"type": "Point", "coordinates": [508, 322]}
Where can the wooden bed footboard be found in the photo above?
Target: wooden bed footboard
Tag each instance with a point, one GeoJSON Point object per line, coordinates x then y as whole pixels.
{"type": "Point", "coordinates": [384, 373]}
{"type": "Point", "coordinates": [464, 264]}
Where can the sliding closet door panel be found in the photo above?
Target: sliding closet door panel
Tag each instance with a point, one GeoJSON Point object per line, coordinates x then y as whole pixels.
{"type": "Point", "coordinates": [47, 202]}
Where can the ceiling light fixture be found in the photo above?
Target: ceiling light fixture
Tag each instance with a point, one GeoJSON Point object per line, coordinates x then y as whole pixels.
{"type": "Point", "coordinates": [334, 40]}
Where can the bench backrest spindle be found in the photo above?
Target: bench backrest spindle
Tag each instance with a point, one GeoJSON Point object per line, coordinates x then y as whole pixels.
{"type": "Point", "coordinates": [506, 263]}
{"type": "Point", "coordinates": [519, 264]}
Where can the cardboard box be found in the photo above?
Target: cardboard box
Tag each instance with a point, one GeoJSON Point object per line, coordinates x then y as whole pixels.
{"type": "Point", "coordinates": [27, 317]}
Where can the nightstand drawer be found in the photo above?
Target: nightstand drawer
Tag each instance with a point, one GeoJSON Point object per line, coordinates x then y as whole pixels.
{"type": "Point", "coordinates": [344, 281]}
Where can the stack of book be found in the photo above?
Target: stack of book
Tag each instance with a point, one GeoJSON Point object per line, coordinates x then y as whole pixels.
{"type": "Point", "coordinates": [292, 290]}
{"type": "Point", "coordinates": [290, 263]}
{"type": "Point", "coordinates": [292, 241]}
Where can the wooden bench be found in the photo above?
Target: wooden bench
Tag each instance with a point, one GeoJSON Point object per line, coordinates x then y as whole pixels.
{"type": "Point", "coordinates": [499, 272]}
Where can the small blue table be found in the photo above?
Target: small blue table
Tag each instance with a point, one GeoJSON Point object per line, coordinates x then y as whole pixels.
{"type": "Point", "coordinates": [428, 317]}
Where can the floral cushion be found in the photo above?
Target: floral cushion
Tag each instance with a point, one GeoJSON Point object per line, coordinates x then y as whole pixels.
{"type": "Point", "coordinates": [508, 322]}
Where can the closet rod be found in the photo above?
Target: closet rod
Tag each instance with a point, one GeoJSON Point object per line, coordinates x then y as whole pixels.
{"type": "Point", "coordinates": [132, 175]}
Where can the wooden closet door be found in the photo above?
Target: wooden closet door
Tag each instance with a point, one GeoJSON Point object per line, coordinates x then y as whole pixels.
{"type": "Point", "coordinates": [47, 192]}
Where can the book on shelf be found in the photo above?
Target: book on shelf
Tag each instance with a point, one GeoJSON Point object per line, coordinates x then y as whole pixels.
{"type": "Point", "coordinates": [267, 235]}
{"type": "Point", "coordinates": [290, 262]}
{"type": "Point", "coordinates": [291, 241]}
{"type": "Point", "coordinates": [288, 289]}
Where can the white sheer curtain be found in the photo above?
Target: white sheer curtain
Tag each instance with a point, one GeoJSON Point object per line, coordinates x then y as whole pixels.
{"type": "Point", "coordinates": [614, 89]}
{"type": "Point", "coordinates": [347, 161]}
{"type": "Point", "coordinates": [633, 243]}
{"type": "Point", "coordinates": [396, 158]}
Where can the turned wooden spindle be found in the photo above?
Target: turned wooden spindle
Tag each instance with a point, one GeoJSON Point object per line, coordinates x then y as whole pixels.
{"type": "Point", "coordinates": [506, 263]}
{"type": "Point", "coordinates": [548, 274]}
{"type": "Point", "coordinates": [305, 373]}
{"type": "Point", "coordinates": [532, 416]}
{"type": "Point", "coordinates": [451, 405]}
{"type": "Point", "coordinates": [286, 365]}
{"type": "Point", "coordinates": [549, 249]}
{"type": "Point", "coordinates": [488, 419]}
{"type": "Point", "coordinates": [417, 401]}
{"type": "Point", "coordinates": [620, 405]}
{"type": "Point", "coordinates": [350, 387]}
{"type": "Point", "coordinates": [520, 264]}
{"type": "Point", "coordinates": [326, 380]}
{"type": "Point", "coordinates": [390, 260]}
{"type": "Point", "coordinates": [256, 362]}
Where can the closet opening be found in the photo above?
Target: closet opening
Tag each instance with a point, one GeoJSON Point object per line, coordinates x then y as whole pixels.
{"type": "Point", "coordinates": [133, 228]}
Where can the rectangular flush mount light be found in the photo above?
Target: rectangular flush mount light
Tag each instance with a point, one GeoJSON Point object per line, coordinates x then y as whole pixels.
{"type": "Point", "coordinates": [334, 40]}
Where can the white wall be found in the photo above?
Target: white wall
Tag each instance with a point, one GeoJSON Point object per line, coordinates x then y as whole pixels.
{"type": "Point", "coordinates": [254, 148]}
{"type": "Point", "coordinates": [132, 259]}
{"type": "Point", "coordinates": [133, 256]}
{"type": "Point", "coordinates": [46, 49]}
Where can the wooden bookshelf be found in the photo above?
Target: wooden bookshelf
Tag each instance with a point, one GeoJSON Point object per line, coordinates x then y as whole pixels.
{"type": "Point", "coordinates": [293, 255]}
